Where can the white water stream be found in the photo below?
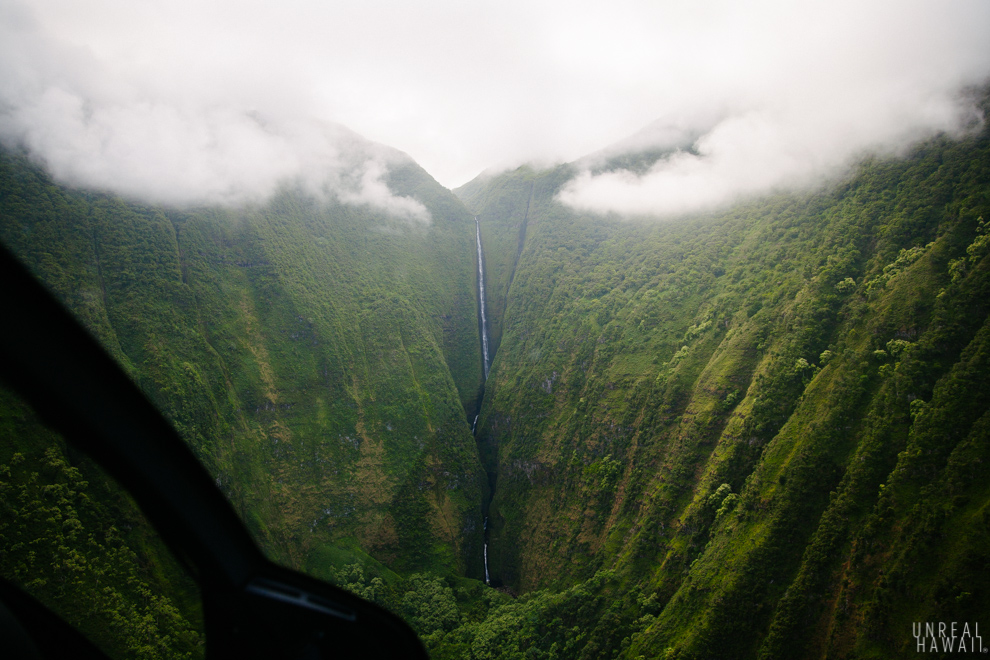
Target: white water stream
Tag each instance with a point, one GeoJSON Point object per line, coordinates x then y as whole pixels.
{"type": "Point", "coordinates": [481, 297]}
{"type": "Point", "coordinates": [487, 578]}
{"type": "Point", "coordinates": [484, 352]}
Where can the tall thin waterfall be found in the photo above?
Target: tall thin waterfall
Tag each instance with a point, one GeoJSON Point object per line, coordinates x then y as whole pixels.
{"type": "Point", "coordinates": [484, 353]}
{"type": "Point", "coordinates": [481, 296]}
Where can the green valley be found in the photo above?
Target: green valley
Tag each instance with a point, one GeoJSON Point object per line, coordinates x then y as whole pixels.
{"type": "Point", "coordinates": [761, 431]}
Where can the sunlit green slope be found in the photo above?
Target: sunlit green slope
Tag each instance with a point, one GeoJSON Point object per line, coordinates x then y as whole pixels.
{"type": "Point", "coordinates": [315, 355]}
{"type": "Point", "coordinates": [765, 428]}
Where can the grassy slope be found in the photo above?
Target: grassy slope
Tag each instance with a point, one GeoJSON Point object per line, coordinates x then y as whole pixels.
{"type": "Point", "coordinates": [317, 357]}
{"type": "Point", "coordinates": [662, 405]}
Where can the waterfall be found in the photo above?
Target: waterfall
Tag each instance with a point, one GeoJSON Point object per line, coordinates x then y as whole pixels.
{"type": "Point", "coordinates": [484, 355]}
{"type": "Point", "coordinates": [481, 297]}
{"type": "Point", "coordinates": [487, 578]}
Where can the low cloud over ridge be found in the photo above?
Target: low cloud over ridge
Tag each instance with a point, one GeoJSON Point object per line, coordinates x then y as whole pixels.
{"type": "Point", "coordinates": [95, 130]}
{"type": "Point", "coordinates": [187, 100]}
{"type": "Point", "coordinates": [852, 81]}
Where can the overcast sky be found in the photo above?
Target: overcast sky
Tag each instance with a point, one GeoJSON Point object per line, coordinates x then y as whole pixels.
{"type": "Point", "coordinates": [186, 100]}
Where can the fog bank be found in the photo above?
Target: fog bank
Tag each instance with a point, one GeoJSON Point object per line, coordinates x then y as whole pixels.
{"type": "Point", "coordinates": [798, 100]}
{"type": "Point", "coordinates": [93, 129]}
{"type": "Point", "coordinates": [185, 101]}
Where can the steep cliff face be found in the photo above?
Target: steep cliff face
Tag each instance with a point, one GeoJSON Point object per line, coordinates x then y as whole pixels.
{"type": "Point", "coordinates": [769, 422]}
{"type": "Point", "coordinates": [315, 355]}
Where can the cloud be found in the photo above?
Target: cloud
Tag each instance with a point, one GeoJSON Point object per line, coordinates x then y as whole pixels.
{"type": "Point", "coordinates": [842, 83]}
{"type": "Point", "coordinates": [95, 130]}
{"type": "Point", "coordinates": [762, 151]}
{"type": "Point", "coordinates": [214, 98]}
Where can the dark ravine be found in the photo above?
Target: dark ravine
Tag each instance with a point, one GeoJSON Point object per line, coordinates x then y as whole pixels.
{"type": "Point", "coordinates": [522, 234]}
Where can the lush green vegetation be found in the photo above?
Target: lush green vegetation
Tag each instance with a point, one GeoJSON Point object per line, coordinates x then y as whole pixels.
{"type": "Point", "coordinates": [317, 357]}
{"type": "Point", "coordinates": [770, 422]}
{"type": "Point", "coordinates": [758, 432]}
{"type": "Point", "coordinates": [75, 541]}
